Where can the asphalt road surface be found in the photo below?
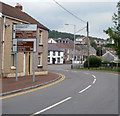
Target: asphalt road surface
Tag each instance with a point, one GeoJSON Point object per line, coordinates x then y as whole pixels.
{"type": "Point", "coordinates": [82, 92]}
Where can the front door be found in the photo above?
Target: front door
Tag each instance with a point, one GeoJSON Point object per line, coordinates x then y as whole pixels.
{"type": "Point", "coordinates": [53, 60]}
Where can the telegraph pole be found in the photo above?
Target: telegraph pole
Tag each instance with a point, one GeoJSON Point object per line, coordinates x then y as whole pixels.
{"type": "Point", "coordinates": [88, 44]}
{"type": "Point", "coordinates": [119, 15]}
{"type": "Point", "coordinates": [118, 5]}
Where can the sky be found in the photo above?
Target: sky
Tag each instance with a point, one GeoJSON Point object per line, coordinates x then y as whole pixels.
{"type": "Point", "coordinates": [97, 12]}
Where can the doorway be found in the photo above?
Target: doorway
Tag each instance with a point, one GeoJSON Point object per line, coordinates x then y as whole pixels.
{"type": "Point", "coordinates": [53, 60]}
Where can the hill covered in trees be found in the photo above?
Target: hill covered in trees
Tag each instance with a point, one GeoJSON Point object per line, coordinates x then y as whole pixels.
{"type": "Point", "coordinates": [56, 34]}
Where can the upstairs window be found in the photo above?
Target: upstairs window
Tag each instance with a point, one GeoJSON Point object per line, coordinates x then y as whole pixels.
{"type": "Point", "coordinates": [53, 53]}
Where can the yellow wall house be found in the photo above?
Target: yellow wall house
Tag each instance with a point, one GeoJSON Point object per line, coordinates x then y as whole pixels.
{"type": "Point", "coordinates": [8, 17]}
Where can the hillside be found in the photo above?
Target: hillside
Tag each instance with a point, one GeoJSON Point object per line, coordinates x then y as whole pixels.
{"type": "Point", "coordinates": [56, 34]}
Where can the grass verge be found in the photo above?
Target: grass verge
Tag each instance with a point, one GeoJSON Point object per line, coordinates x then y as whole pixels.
{"type": "Point", "coordinates": [102, 68]}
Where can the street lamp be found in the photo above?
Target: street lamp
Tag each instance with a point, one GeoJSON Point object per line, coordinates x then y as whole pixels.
{"type": "Point", "coordinates": [88, 44]}
{"type": "Point", "coordinates": [74, 41]}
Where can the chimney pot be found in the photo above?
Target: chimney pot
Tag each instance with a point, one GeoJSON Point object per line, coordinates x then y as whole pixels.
{"type": "Point", "coordinates": [19, 6]}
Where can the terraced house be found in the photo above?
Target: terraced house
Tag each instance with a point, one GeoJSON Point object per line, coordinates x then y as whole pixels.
{"type": "Point", "coordinates": [14, 15]}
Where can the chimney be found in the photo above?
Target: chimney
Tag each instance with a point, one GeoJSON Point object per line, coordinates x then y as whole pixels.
{"type": "Point", "coordinates": [19, 6]}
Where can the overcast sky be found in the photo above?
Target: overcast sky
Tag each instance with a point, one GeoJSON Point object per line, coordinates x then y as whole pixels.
{"type": "Point", "coordinates": [97, 12]}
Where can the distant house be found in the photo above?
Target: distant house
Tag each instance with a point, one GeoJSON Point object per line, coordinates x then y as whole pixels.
{"type": "Point", "coordinates": [81, 40]}
{"type": "Point", "coordinates": [63, 41]}
{"type": "Point", "coordinates": [55, 54]}
{"type": "Point", "coordinates": [51, 40]}
{"type": "Point", "coordinates": [15, 15]}
{"type": "Point", "coordinates": [102, 42]}
{"type": "Point", "coordinates": [110, 57]}
{"type": "Point", "coordinates": [79, 54]}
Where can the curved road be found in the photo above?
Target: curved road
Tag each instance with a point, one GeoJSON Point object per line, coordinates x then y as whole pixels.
{"type": "Point", "coordinates": [82, 92]}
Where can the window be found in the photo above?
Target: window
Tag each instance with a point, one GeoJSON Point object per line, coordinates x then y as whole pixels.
{"type": "Point", "coordinates": [53, 53]}
{"type": "Point", "coordinates": [58, 60]}
{"type": "Point", "coordinates": [13, 59]}
{"type": "Point", "coordinates": [48, 53]}
{"type": "Point", "coordinates": [59, 53]}
{"type": "Point", "coordinates": [40, 37]}
{"type": "Point", "coordinates": [48, 59]}
{"type": "Point", "coordinates": [39, 60]}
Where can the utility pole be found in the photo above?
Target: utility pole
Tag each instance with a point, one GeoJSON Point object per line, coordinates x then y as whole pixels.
{"type": "Point", "coordinates": [74, 54]}
{"type": "Point", "coordinates": [118, 5]}
{"type": "Point", "coordinates": [118, 16]}
{"type": "Point", "coordinates": [88, 43]}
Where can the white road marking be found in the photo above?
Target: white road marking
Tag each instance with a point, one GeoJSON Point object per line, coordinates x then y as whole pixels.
{"type": "Point", "coordinates": [85, 89]}
{"type": "Point", "coordinates": [39, 112]}
{"type": "Point", "coordinates": [94, 76]}
{"type": "Point", "coordinates": [94, 81]}
{"type": "Point", "coordinates": [87, 73]}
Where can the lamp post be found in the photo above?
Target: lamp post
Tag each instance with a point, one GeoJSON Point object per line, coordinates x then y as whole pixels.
{"type": "Point", "coordinates": [74, 42]}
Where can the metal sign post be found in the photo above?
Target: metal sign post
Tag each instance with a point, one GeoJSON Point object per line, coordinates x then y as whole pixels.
{"type": "Point", "coordinates": [16, 66]}
{"type": "Point", "coordinates": [33, 67]}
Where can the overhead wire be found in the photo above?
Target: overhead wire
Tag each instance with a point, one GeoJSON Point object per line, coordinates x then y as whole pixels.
{"type": "Point", "coordinates": [81, 29]}
{"type": "Point", "coordinates": [69, 12]}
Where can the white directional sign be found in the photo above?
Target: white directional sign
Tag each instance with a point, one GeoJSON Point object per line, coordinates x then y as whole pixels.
{"type": "Point", "coordinates": [25, 27]}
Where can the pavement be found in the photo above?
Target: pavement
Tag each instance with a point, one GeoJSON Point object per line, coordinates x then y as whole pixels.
{"type": "Point", "coordinates": [10, 85]}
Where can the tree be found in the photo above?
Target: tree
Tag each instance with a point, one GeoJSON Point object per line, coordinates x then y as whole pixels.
{"type": "Point", "coordinates": [114, 32]}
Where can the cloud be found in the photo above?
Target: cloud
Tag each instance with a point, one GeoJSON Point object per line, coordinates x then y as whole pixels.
{"type": "Point", "coordinates": [99, 14]}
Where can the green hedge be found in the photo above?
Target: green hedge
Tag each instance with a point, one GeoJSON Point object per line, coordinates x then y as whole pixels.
{"type": "Point", "coordinates": [110, 64]}
{"type": "Point", "coordinates": [94, 61]}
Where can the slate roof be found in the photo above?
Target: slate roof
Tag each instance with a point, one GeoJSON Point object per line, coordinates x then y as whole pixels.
{"type": "Point", "coordinates": [53, 47]}
{"type": "Point", "coordinates": [108, 56]}
{"type": "Point", "coordinates": [18, 14]}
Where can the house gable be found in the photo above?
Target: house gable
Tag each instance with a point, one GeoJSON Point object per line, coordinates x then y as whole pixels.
{"type": "Point", "coordinates": [15, 13]}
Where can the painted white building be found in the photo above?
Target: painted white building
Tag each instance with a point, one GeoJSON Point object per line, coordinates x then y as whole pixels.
{"type": "Point", "coordinates": [51, 40]}
{"type": "Point", "coordinates": [55, 54]}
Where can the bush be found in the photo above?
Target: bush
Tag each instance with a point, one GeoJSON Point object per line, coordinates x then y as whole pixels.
{"type": "Point", "coordinates": [94, 61]}
{"type": "Point", "coordinates": [110, 64]}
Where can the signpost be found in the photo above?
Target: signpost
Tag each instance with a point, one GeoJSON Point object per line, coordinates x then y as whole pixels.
{"type": "Point", "coordinates": [24, 40]}
{"type": "Point", "coordinates": [24, 45]}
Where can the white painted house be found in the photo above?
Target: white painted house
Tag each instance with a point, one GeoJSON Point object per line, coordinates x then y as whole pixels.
{"type": "Point", "coordinates": [51, 40]}
{"type": "Point", "coordinates": [55, 54]}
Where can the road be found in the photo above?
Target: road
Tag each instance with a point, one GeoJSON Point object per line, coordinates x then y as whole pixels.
{"type": "Point", "coordinates": [82, 92]}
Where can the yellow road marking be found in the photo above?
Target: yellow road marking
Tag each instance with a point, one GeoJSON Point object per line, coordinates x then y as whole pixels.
{"type": "Point", "coordinates": [32, 90]}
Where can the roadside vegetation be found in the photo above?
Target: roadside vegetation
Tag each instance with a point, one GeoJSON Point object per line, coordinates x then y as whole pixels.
{"type": "Point", "coordinates": [96, 63]}
{"type": "Point", "coordinates": [102, 68]}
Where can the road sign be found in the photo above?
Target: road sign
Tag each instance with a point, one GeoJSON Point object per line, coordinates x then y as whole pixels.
{"type": "Point", "coordinates": [25, 34]}
{"type": "Point", "coordinates": [24, 37]}
{"type": "Point", "coordinates": [25, 27]}
{"type": "Point", "coordinates": [24, 40]}
{"type": "Point", "coordinates": [24, 45]}
{"type": "Point", "coordinates": [24, 31]}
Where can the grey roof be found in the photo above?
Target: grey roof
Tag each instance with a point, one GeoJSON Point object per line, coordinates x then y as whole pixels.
{"type": "Point", "coordinates": [85, 48]}
{"type": "Point", "coordinates": [53, 47]}
{"type": "Point", "coordinates": [108, 56]}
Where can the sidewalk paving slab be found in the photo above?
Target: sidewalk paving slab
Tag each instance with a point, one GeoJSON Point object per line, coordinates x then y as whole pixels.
{"type": "Point", "coordinates": [10, 85]}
